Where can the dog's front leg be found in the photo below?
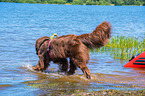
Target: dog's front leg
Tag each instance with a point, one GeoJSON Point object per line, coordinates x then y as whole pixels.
{"type": "Point", "coordinates": [40, 65]}
{"type": "Point", "coordinates": [41, 62]}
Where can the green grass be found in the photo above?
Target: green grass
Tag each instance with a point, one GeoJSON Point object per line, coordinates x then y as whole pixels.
{"type": "Point", "coordinates": [121, 47]}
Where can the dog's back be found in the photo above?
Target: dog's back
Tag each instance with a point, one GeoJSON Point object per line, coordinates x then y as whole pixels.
{"type": "Point", "coordinates": [61, 46]}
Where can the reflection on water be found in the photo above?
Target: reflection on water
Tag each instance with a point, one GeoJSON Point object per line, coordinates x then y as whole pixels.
{"type": "Point", "coordinates": [59, 83]}
{"type": "Point", "coordinates": [106, 74]}
{"type": "Point", "coordinates": [54, 82]}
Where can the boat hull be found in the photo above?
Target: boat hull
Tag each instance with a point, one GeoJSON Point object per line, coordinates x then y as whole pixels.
{"type": "Point", "coordinates": [137, 62]}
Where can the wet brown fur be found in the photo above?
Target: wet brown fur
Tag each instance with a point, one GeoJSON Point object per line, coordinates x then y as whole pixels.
{"type": "Point", "coordinates": [74, 47]}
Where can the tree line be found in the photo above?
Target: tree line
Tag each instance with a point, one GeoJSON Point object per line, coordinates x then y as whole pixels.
{"type": "Point", "coordinates": [82, 2]}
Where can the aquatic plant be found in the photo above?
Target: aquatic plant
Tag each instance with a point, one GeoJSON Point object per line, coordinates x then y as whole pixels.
{"type": "Point", "coordinates": [112, 92]}
{"type": "Point", "coordinates": [121, 47]}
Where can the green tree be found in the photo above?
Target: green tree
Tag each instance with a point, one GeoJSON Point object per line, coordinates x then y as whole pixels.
{"type": "Point", "coordinates": [20, 1]}
{"type": "Point", "coordinates": [103, 2]}
{"type": "Point", "coordinates": [90, 2]}
{"type": "Point", "coordinates": [137, 2]}
{"type": "Point", "coordinates": [113, 1]}
{"type": "Point", "coordinates": [126, 2]}
{"type": "Point", "coordinates": [77, 2]}
{"type": "Point", "coordinates": [109, 1]}
{"type": "Point", "coordinates": [60, 1]}
{"type": "Point", "coordinates": [119, 2]}
{"type": "Point", "coordinates": [80, 2]}
{"type": "Point", "coordinates": [56, 1]}
{"type": "Point", "coordinates": [29, 1]}
{"type": "Point", "coordinates": [96, 3]}
{"type": "Point", "coordinates": [143, 2]}
{"type": "Point", "coordinates": [38, 1]}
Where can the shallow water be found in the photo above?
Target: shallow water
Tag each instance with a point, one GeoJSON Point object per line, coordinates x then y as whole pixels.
{"type": "Point", "coordinates": [22, 24]}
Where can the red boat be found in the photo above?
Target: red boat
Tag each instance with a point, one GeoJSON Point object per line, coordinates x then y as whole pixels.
{"type": "Point", "coordinates": [137, 62]}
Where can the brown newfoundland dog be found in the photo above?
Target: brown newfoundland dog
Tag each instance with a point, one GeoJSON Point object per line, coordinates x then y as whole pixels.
{"type": "Point", "coordinates": [74, 47]}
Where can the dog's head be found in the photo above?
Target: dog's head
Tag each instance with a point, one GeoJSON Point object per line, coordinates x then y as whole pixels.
{"type": "Point", "coordinates": [39, 43]}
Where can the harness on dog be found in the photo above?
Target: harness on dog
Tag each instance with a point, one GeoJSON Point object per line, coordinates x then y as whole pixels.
{"type": "Point", "coordinates": [54, 34]}
{"type": "Point", "coordinates": [51, 37]}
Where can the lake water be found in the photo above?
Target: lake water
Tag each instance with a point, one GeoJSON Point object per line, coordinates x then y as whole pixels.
{"type": "Point", "coordinates": [22, 24]}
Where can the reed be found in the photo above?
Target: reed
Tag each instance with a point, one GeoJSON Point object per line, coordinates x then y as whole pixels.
{"type": "Point", "coordinates": [121, 47]}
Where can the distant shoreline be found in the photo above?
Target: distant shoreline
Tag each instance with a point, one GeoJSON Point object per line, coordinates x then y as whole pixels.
{"type": "Point", "coordinates": [72, 4]}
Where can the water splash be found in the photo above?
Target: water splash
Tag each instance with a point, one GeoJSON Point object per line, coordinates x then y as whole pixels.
{"type": "Point", "coordinates": [28, 66]}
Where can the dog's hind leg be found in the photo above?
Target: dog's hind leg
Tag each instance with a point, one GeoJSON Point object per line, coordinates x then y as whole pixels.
{"type": "Point", "coordinates": [63, 64]}
{"type": "Point", "coordinates": [86, 71]}
{"type": "Point", "coordinates": [73, 67]}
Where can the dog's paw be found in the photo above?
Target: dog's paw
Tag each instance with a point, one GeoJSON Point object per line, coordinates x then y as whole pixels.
{"type": "Point", "coordinates": [35, 68]}
{"type": "Point", "coordinates": [87, 75]}
{"type": "Point", "coordinates": [70, 73]}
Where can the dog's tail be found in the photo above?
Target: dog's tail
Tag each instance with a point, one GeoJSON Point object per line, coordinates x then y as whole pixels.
{"type": "Point", "coordinates": [99, 37]}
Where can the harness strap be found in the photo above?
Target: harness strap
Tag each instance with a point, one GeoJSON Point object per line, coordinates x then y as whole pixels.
{"type": "Point", "coordinates": [51, 37]}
